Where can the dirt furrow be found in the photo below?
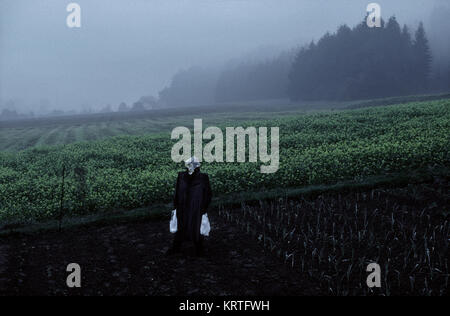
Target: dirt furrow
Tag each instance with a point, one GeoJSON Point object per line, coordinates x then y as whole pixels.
{"type": "Point", "coordinates": [129, 259]}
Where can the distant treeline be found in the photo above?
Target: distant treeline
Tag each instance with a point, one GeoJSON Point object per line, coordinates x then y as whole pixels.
{"type": "Point", "coordinates": [243, 81]}
{"type": "Point", "coordinates": [258, 81]}
{"type": "Point", "coordinates": [351, 64]}
{"type": "Point", "coordinates": [8, 113]}
{"type": "Point", "coordinates": [362, 63]}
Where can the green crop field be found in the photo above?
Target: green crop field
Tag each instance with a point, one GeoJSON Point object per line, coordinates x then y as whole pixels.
{"type": "Point", "coordinates": [21, 135]}
{"type": "Point", "coordinates": [133, 171]}
{"type": "Point", "coordinates": [45, 133]}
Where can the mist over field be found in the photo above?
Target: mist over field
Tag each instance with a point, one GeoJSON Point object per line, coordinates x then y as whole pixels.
{"type": "Point", "coordinates": [123, 53]}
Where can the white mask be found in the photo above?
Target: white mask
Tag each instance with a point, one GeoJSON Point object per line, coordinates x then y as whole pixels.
{"type": "Point", "coordinates": [192, 164]}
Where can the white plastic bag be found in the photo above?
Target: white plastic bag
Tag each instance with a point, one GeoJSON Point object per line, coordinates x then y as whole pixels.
{"type": "Point", "coordinates": [174, 222]}
{"type": "Point", "coordinates": [205, 228]}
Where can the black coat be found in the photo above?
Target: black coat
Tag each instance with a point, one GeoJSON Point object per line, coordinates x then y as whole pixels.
{"type": "Point", "coordinates": [192, 198]}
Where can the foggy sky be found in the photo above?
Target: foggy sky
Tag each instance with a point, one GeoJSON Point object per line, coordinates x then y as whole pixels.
{"type": "Point", "coordinates": [127, 49]}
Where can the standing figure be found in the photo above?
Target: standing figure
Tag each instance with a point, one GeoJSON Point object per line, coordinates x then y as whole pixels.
{"type": "Point", "coordinates": [192, 198]}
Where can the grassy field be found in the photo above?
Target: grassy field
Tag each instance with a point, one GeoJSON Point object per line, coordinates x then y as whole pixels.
{"type": "Point", "coordinates": [127, 172]}
{"type": "Point", "coordinates": [24, 134]}
{"type": "Point", "coordinates": [48, 133]}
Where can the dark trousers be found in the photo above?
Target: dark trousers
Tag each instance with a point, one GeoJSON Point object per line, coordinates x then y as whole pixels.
{"type": "Point", "coordinates": [178, 241]}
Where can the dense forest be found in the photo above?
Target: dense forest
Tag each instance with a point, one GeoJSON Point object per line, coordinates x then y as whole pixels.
{"type": "Point", "coordinates": [362, 63]}
{"type": "Point", "coordinates": [255, 81]}
{"type": "Point", "coordinates": [350, 64]}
